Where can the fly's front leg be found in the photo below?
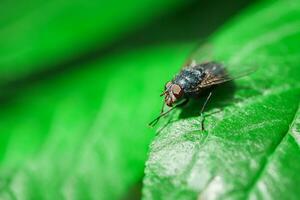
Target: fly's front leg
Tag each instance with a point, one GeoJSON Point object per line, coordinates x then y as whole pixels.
{"type": "Point", "coordinates": [202, 110]}
{"type": "Point", "coordinates": [152, 123]}
{"type": "Point", "coordinates": [162, 108]}
{"type": "Point", "coordinates": [184, 102]}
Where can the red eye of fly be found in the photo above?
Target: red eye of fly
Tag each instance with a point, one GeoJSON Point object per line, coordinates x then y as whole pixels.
{"type": "Point", "coordinates": [177, 91]}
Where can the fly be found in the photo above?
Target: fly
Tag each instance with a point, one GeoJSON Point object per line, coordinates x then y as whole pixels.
{"type": "Point", "coordinates": [194, 80]}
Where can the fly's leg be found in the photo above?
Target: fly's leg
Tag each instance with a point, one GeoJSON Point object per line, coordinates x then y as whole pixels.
{"type": "Point", "coordinates": [154, 122]}
{"type": "Point", "coordinates": [202, 110]}
{"type": "Point", "coordinates": [184, 102]}
{"type": "Point", "coordinates": [162, 108]}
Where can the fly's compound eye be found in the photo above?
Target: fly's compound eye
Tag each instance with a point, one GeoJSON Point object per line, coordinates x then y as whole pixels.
{"type": "Point", "coordinates": [177, 91]}
{"type": "Point", "coordinates": [168, 84]}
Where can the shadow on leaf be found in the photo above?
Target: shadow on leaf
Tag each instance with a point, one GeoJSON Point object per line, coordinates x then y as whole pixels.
{"type": "Point", "coordinates": [222, 96]}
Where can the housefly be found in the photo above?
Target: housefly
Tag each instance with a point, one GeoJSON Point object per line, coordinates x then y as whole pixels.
{"type": "Point", "coordinates": [194, 80]}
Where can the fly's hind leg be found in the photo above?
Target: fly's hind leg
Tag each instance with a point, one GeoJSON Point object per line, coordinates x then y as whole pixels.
{"type": "Point", "coordinates": [202, 110]}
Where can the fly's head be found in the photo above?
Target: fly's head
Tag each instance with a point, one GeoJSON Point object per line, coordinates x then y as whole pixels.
{"type": "Point", "coordinates": [172, 93]}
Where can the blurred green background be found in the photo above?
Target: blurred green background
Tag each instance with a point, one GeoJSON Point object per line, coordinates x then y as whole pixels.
{"type": "Point", "coordinates": [80, 80]}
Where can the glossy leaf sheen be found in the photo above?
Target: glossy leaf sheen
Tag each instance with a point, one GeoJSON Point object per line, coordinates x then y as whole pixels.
{"type": "Point", "coordinates": [250, 149]}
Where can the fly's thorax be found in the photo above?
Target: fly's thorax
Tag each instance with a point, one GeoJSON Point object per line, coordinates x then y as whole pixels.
{"type": "Point", "coordinates": [189, 78]}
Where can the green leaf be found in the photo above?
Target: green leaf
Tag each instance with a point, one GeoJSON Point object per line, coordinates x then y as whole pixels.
{"type": "Point", "coordinates": [80, 131]}
{"type": "Point", "coordinates": [250, 148]}
{"type": "Point", "coordinates": [36, 35]}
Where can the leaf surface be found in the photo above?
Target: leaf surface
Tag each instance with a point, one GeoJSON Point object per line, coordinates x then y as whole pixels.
{"type": "Point", "coordinates": [80, 131]}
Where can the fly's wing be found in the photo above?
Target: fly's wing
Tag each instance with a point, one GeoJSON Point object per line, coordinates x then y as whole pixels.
{"type": "Point", "coordinates": [211, 79]}
{"type": "Point", "coordinates": [199, 55]}
{"type": "Point", "coordinates": [217, 69]}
